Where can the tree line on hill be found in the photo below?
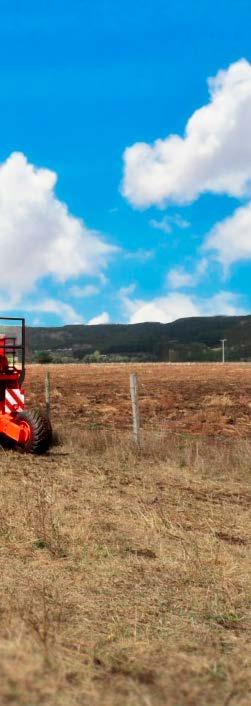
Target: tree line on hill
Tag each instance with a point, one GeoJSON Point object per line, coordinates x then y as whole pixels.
{"type": "Point", "coordinates": [192, 339]}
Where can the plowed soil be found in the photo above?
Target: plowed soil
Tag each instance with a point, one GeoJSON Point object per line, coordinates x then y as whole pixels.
{"type": "Point", "coordinates": [208, 399]}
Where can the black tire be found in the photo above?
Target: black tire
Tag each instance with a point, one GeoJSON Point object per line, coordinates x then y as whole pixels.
{"type": "Point", "coordinates": [41, 432]}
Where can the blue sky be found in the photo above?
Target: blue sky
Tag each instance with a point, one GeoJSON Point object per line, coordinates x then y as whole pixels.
{"type": "Point", "coordinates": [92, 231]}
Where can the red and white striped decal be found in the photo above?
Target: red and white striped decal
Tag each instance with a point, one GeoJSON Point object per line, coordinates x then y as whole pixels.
{"type": "Point", "coordinates": [14, 400]}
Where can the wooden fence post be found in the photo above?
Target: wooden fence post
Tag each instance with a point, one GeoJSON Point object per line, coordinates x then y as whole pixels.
{"type": "Point", "coordinates": [47, 391]}
{"type": "Point", "coordinates": [135, 406]}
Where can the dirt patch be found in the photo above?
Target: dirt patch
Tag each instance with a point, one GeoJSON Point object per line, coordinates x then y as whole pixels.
{"type": "Point", "coordinates": [200, 399]}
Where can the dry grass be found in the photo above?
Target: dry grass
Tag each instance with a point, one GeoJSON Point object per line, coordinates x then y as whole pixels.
{"type": "Point", "coordinates": [125, 573]}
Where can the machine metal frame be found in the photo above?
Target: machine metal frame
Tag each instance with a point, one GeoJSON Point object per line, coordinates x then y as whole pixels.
{"type": "Point", "coordinates": [29, 429]}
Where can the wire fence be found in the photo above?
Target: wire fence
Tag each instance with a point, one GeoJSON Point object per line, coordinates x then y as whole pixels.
{"type": "Point", "coordinates": [139, 427]}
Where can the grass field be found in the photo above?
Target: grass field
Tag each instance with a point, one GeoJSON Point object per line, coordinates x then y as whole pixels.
{"type": "Point", "coordinates": [126, 572]}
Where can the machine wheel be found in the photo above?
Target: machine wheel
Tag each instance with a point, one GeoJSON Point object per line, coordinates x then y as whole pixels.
{"type": "Point", "coordinates": [37, 431]}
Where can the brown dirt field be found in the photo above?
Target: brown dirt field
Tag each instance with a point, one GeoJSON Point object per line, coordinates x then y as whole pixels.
{"type": "Point", "coordinates": [211, 399]}
{"type": "Point", "coordinates": [125, 571]}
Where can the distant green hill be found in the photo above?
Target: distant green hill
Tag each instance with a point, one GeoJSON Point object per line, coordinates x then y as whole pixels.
{"type": "Point", "coordinates": [196, 338]}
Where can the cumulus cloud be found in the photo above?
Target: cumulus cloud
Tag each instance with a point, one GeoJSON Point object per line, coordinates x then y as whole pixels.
{"type": "Point", "coordinates": [213, 156]}
{"type": "Point", "coordinates": [178, 277]}
{"type": "Point", "coordinates": [64, 311]}
{"type": "Point", "coordinates": [231, 238]}
{"type": "Point", "coordinates": [38, 235]}
{"type": "Point", "coordinates": [103, 318]}
{"type": "Point", "coordinates": [162, 309]}
{"type": "Point", "coordinates": [61, 309]}
{"type": "Point", "coordinates": [177, 306]}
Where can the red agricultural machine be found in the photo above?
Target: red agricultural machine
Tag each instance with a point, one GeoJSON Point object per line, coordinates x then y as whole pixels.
{"type": "Point", "coordinates": [27, 429]}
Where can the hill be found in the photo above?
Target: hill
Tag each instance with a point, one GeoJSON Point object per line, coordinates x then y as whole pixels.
{"type": "Point", "coordinates": [196, 338]}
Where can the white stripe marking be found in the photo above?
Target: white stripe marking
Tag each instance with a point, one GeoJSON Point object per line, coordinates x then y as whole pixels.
{"type": "Point", "coordinates": [11, 403]}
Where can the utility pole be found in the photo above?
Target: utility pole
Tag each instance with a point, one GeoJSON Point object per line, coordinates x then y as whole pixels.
{"type": "Point", "coordinates": [223, 341]}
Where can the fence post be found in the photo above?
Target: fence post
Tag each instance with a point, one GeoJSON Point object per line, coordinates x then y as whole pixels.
{"type": "Point", "coordinates": [135, 406]}
{"type": "Point", "coordinates": [47, 391]}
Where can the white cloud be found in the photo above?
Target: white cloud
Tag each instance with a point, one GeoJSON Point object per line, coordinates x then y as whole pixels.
{"type": "Point", "coordinates": [180, 222]}
{"type": "Point", "coordinates": [162, 309]}
{"type": "Point", "coordinates": [224, 303]}
{"type": "Point", "coordinates": [103, 318]}
{"type": "Point", "coordinates": [178, 306]}
{"type": "Point", "coordinates": [38, 235]}
{"type": "Point", "coordinates": [103, 278]}
{"type": "Point", "coordinates": [125, 291]}
{"type": "Point", "coordinates": [89, 290]}
{"type": "Point", "coordinates": [166, 224]}
{"type": "Point", "coordinates": [61, 309]}
{"type": "Point", "coordinates": [213, 156]}
{"type": "Point", "coordinates": [178, 277]}
{"type": "Point", "coordinates": [231, 238]}
{"type": "Point", "coordinates": [140, 255]}
{"type": "Point", "coordinates": [54, 306]}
